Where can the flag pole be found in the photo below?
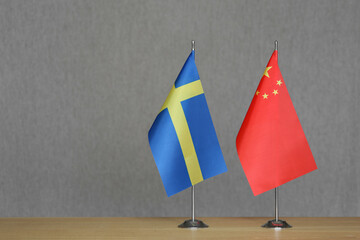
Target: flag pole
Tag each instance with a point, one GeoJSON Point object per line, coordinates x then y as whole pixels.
{"type": "Point", "coordinates": [276, 189]}
{"type": "Point", "coordinates": [193, 223]}
{"type": "Point", "coordinates": [193, 187]}
{"type": "Point", "coordinates": [276, 223]}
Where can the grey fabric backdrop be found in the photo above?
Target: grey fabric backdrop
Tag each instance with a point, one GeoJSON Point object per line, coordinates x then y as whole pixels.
{"type": "Point", "coordinates": [82, 82]}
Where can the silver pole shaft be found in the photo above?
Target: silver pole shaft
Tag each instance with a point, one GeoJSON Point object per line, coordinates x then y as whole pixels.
{"type": "Point", "coordinates": [276, 189]}
{"type": "Point", "coordinates": [193, 187]}
{"type": "Point", "coordinates": [193, 203]}
{"type": "Point", "coordinates": [277, 204]}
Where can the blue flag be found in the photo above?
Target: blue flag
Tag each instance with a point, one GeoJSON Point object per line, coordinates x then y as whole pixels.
{"type": "Point", "coordinates": [182, 138]}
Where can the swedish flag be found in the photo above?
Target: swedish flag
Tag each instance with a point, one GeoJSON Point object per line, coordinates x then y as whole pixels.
{"type": "Point", "coordinates": [182, 138]}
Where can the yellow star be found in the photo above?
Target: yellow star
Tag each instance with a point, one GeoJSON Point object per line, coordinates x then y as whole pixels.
{"type": "Point", "coordinates": [257, 92]}
{"type": "Point", "coordinates": [265, 96]}
{"type": "Point", "coordinates": [275, 92]}
{"type": "Point", "coordinates": [266, 71]}
{"type": "Point", "coordinates": [279, 82]}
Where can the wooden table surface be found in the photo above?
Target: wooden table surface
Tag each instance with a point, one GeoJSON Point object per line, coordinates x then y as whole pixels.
{"type": "Point", "coordinates": [166, 228]}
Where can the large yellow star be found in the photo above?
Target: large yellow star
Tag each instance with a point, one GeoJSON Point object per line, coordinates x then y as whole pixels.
{"type": "Point", "coordinates": [266, 71]}
{"type": "Point", "coordinates": [279, 82]}
{"type": "Point", "coordinates": [275, 92]}
{"type": "Point", "coordinates": [265, 96]}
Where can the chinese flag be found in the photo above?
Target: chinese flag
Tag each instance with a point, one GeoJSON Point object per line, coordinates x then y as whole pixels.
{"type": "Point", "coordinates": [271, 144]}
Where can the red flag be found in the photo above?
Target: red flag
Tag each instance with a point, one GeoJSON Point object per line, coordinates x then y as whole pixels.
{"type": "Point", "coordinates": [271, 144]}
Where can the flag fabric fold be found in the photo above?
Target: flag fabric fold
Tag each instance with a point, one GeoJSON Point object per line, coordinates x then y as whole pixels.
{"type": "Point", "coordinates": [271, 144]}
{"type": "Point", "coordinates": [182, 138]}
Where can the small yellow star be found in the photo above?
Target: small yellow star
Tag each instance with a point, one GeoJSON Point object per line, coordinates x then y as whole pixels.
{"type": "Point", "coordinates": [257, 92]}
{"type": "Point", "coordinates": [266, 71]}
{"type": "Point", "coordinates": [279, 82]}
{"type": "Point", "coordinates": [275, 92]}
{"type": "Point", "coordinates": [265, 96]}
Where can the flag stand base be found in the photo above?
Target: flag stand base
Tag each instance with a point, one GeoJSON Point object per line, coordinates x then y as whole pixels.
{"type": "Point", "coordinates": [193, 224]}
{"type": "Point", "coordinates": [276, 224]}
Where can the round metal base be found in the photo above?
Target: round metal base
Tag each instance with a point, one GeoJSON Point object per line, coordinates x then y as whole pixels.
{"type": "Point", "coordinates": [193, 224]}
{"type": "Point", "coordinates": [276, 224]}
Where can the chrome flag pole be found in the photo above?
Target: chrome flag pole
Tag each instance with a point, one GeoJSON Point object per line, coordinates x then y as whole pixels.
{"type": "Point", "coordinates": [193, 187]}
{"type": "Point", "coordinates": [193, 223]}
{"type": "Point", "coordinates": [276, 223]}
{"type": "Point", "coordinates": [276, 189]}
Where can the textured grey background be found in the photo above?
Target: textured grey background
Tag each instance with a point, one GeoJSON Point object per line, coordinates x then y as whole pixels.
{"type": "Point", "coordinates": [82, 82]}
